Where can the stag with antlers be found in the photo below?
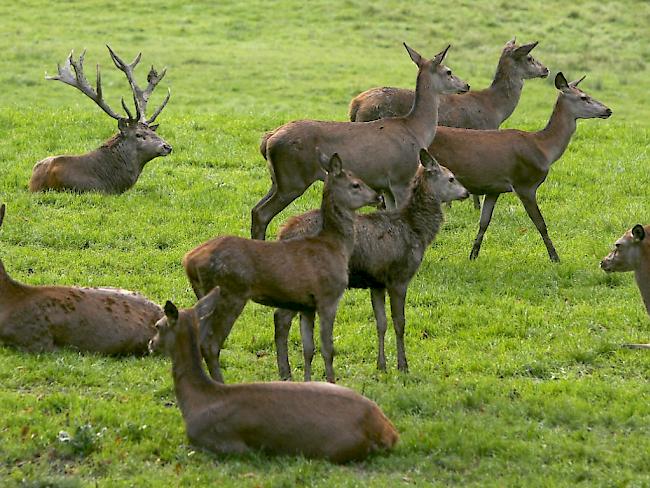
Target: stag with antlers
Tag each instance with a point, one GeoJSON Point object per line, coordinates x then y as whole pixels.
{"type": "Point", "coordinates": [116, 165]}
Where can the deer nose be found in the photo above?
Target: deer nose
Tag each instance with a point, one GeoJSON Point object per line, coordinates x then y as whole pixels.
{"type": "Point", "coordinates": [608, 112]}
{"type": "Point", "coordinates": [167, 148]}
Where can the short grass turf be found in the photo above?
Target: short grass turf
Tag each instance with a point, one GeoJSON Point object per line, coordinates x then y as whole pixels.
{"type": "Point", "coordinates": [516, 374]}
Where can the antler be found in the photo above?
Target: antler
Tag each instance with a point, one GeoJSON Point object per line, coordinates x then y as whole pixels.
{"type": "Point", "coordinates": [141, 97]}
{"type": "Point", "coordinates": [79, 81]}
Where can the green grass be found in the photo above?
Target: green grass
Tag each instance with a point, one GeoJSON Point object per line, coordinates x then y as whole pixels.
{"type": "Point", "coordinates": [517, 378]}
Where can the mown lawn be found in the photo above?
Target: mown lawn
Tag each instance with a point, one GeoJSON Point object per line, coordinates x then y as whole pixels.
{"type": "Point", "coordinates": [517, 377]}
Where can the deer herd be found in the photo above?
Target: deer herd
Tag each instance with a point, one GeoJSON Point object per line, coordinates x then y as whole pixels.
{"type": "Point", "coordinates": [403, 150]}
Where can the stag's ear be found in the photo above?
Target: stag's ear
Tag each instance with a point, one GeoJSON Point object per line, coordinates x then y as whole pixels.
{"type": "Point", "coordinates": [577, 82]}
{"type": "Point", "coordinates": [206, 306]}
{"type": "Point", "coordinates": [122, 125]}
{"type": "Point", "coordinates": [171, 312]}
{"type": "Point", "coordinates": [428, 161]}
{"type": "Point", "coordinates": [525, 49]}
{"type": "Point", "coordinates": [560, 82]}
{"type": "Point", "coordinates": [415, 56]}
{"type": "Point", "coordinates": [3, 207]}
{"type": "Point", "coordinates": [154, 127]}
{"type": "Point", "coordinates": [438, 58]}
{"type": "Point", "coordinates": [638, 232]}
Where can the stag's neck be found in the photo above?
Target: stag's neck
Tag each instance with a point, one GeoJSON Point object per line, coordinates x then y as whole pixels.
{"type": "Point", "coordinates": [555, 137]}
{"type": "Point", "coordinates": [642, 276]}
{"type": "Point", "coordinates": [120, 160]}
{"type": "Point", "coordinates": [194, 388]}
{"type": "Point", "coordinates": [422, 212]}
{"type": "Point", "coordinates": [504, 92]}
{"type": "Point", "coordinates": [338, 222]}
{"type": "Point", "coordinates": [423, 117]}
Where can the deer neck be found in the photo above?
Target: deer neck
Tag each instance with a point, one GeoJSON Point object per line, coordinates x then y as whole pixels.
{"type": "Point", "coordinates": [422, 211]}
{"type": "Point", "coordinates": [505, 92]}
{"type": "Point", "coordinates": [338, 221]}
{"type": "Point", "coordinates": [555, 137]}
{"type": "Point", "coordinates": [7, 283]}
{"type": "Point", "coordinates": [194, 388]}
{"type": "Point", "coordinates": [642, 277]}
{"type": "Point", "coordinates": [118, 157]}
{"type": "Point", "coordinates": [423, 117]}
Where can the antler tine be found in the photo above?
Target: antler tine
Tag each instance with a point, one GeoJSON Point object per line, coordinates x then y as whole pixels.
{"type": "Point", "coordinates": [126, 109]}
{"type": "Point", "coordinates": [79, 81]}
{"type": "Point", "coordinates": [127, 69]}
{"type": "Point", "coordinates": [160, 109]}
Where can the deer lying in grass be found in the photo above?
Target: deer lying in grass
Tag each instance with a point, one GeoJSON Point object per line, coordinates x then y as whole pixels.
{"type": "Point", "coordinates": [492, 162]}
{"type": "Point", "coordinates": [482, 109]}
{"type": "Point", "coordinates": [632, 253]}
{"type": "Point", "coordinates": [308, 275]}
{"type": "Point", "coordinates": [383, 153]}
{"type": "Point", "coordinates": [103, 320]}
{"type": "Point", "coordinates": [315, 420]}
{"type": "Point", "coordinates": [116, 165]}
{"type": "Point", "coordinates": [389, 247]}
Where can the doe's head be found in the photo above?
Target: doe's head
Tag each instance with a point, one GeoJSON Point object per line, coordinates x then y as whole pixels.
{"type": "Point", "coordinates": [581, 105]}
{"type": "Point", "coordinates": [628, 250]}
{"type": "Point", "coordinates": [345, 187]}
{"type": "Point", "coordinates": [442, 182]}
{"type": "Point", "coordinates": [443, 80]}
{"type": "Point", "coordinates": [519, 63]}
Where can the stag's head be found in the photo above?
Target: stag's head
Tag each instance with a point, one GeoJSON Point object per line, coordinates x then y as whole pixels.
{"type": "Point", "coordinates": [137, 129]}
{"type": "Point", "coordinates": [440, 181]}
{"type": "Point", "coordinates": [628, 250]}
{"type": "Point", "coordinates": [443, 80]}
{"type": "Point", "coordinates": [581, 105]}
{"type": "Point", "coordinates": [517, 62]}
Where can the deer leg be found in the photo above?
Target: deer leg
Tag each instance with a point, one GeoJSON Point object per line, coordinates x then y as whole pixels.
{"type": "Point", "coordinates": [486, 216]}
{"type": "Point", "coordinates": [529, 199]}
{"type": "Point", "coordinates": [307, 336]}
{"type": "Point", "coordinates": [397, 298]}
{"type": "Point", "coordinates": [282, 321]}
{"type": "Point", "coordinates": [268, 207]}
{"type": "Point", "coordinates": [327, 315]}
{"type": "Point", "coordinates": [477, 201]}
{"type": "Point", "coordinates": [377, 297]}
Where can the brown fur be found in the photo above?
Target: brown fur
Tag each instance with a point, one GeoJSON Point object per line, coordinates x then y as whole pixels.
{"type": "Point", "coordinates": [384, 153]}
{"type": "Point", "coordinates": [307, 274]}
{"type": "Point", "coordinates": [491, 162]}
{"type": "Point", "coordinates": [315, 420]}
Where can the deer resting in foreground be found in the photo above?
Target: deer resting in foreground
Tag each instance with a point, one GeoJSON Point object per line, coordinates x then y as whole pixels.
{"type": "Point", "coordinates": [307, 275]}
{"type": "Point", "coordinates": [632, 253]}
{"type": "Point", "coordinates": [492, 162]}
{"type": "Point", "coordinates": [388, 249]}
{"type": "Point", "coordinates": [482, 109]}
{"type": "Point", "coordinates": [382, 153]}
{"type": "Point", "coordinates": [103, 320]}
{"type": "Point", "coordinates": [116, 165]}
{"type": "Point", "coordinates": [315, 420]}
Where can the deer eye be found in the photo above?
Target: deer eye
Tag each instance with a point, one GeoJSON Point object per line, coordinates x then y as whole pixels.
{"type": "Point", "coordinates": [451, 179]}
{"type": "Point", "coordinates": [356, 186]}
{"type": "Point", "coordinates": [529, 57]}
{"type": "Point", "coordinates": [448, 72]}
{"type": "Point", "coordinates": [584, 98]}
{"type": "Point", "coordinates": [139, 135]}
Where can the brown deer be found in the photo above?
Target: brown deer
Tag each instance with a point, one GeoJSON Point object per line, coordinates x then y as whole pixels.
{"type": "Point", "coordinates": [492, 162]}
{"type": "Point", "coordinates": [388, 249]}
{"type": "Point", "coordinates": [382, 153]}
{"type": "Point", "coordinates": [116, 165]}
{"type": "Point", "coordinates": [315, 420]}
{"type": "Point", "coordinates": [632, 253]}
{"type": "Point", "coordinates": [482, 109]}
{"type": "Point", "coordinates": [103, 320]}
{"type": "Point", "coordinates": [307, 275]}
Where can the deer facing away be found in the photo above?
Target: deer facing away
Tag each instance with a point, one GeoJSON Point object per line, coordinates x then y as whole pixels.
{"type": "Point", "coordinates": [103, 320]}
{"type": "Point", "coordinates": [308, 274]}
{"type": "Point", "coordinates": [316, 420]}
{"type": "Point", "coordinates": [388, 250]}
{"type": "Point", "coordinates": [492, 162]}
{"type": "Point", "coordinates": [478, 109]}
{"type": "Point", "coordinates": [116, 165]}
{"type": "Point", "coordinates": [383, 153]}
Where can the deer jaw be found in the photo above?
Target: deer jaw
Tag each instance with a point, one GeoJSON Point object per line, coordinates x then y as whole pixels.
{"type": "Point", "coordinates": [578, 103]}
{"type": "Point", "coordinates": [143, 140]}
{"type": "Point", "coordinates": [445, 82]}
{"type": "Point", "coordinates": [517, 63]}
{"type": "Point", "coordinates": [447, 188]}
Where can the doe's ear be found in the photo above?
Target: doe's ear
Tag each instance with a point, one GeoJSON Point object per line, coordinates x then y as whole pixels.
{"type": "Point", "coordinates": [560, 82]}
{"type": "Point", "coordinates": [511, 43]}
{"type": "Point", "coordinates": [525, 49]}
{"type": "Point", "coordinates": [415, 56]}
{"type": "Point", "coordinates": [206, 306]}
{"type": "Point", "coordinates": [638, 232]}
{"type": "Point", "coordinates": [335, 164]}
{"type": "Point", "coordinates": [577, 82]}
{"type": "Point", "coordinates": [427, 160]}
{"type": "Point", "coordinates": [171, 311]}
{"type": "Point", "coordinates": [3, 207]}
{"type": "Point", "coordinates": [438, 58]}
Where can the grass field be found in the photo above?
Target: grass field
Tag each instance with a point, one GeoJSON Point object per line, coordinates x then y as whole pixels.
{"type": "Point", "coordinates": [517, 378]}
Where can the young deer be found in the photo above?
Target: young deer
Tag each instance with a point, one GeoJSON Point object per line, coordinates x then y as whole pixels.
{"type": "Point", "coordinates": [482, 109]}
{"type": "Point", "coordinates": [315, 420]}
{"type": "Point", "coordinates": [492, 162]}
{"type": "Point", "coordinates": [104, 320]}
{"type": "Point", "coordinates": [116, 165]}
{"type": "Point", "coordinates": [307, 275]}
{"type": "Point", "coordinates": [383, 153]}
{"type": "Point", "coordinates": [388, 250]}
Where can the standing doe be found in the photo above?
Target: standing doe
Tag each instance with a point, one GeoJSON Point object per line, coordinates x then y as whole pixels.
{"type": "Point", "coordinates": [116, 165]}
{"type": "Point", "coordinates": [383, 153]}
{"type": "Point", "coordinates": [315, 420]}
{"type": "Point", "coordinates": [388, 250]}
{"type": "Point", "coordinates": [492, 162]}
{"type": "Point", "coordinates": [307, 275]}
